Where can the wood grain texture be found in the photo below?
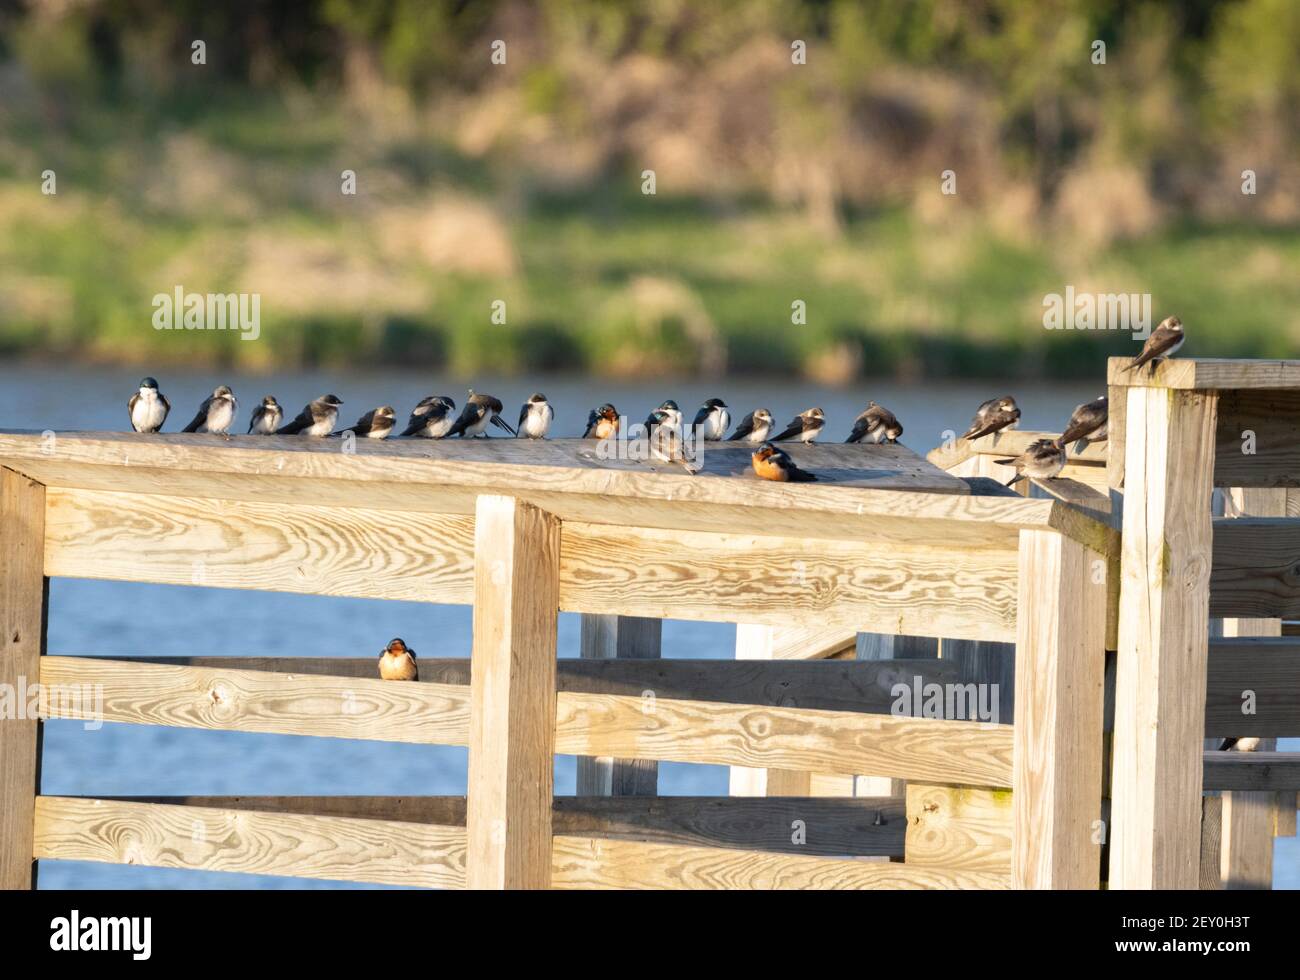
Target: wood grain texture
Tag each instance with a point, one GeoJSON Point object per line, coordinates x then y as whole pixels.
{"type": "Point", "coordinates": [595, 863]}
{"type": "Point", "coordinates": [208, 839]}
{"type": "Point", "coordinates": [1252, 770]}
{"type": "Point", "coordinates": [23, 603]}
{"type": "Point", "coordinates": [1267, 423]}
{"type": "Point", "coordinates": [607, 637]}
{"type": "Point", "coordinates": [1246, 857]}
{"type": "Point", "coordinates": [1256, 572]}
{"type": "Point", "coordinates": [799, 739]}
{"type": "Point", "coordinates": [959, 827]}
{"type": "Point", "coordinates": [512, 700]}
{"type": "Point", "coordinates": [1163, 639]}
{"type": "Point", "coordinates": [1211, 878]}
{"type": "Point", "coordinates": [260, 701]}
{"type": "Point", "coordinates": [1253, 687]}
{"type": "Point", "coordinates": [1206, 373]}
{"type": "Point", "coordinates": [1060, 665]}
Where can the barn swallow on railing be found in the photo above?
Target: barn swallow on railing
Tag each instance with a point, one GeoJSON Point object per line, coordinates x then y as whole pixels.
{"type": "Point", "coordinates": [1163, 342]}
{"type": "Point", "coordinates": [1089, 423]}
{"type": "Point", "coordinates": [317, 419]}
{"type": "Point", "coordinates": [1042, 460]}
{"type": "Point", "coordinates": [148, 408]}
{"type": "Point", "coordinates": [807, 425]}
{"type": "Point", "coordinates": [535, 417]}
{"type": "Point", "coordinates": [432, 418]}
{"type": "Point", "coordinates": [775, 464]}
{"type": "Point", "coordinates": [397, 662]}
{"type": "Point", "coordinates": [713, 419]}
{"type": "Point", "coordinates": [876, 424]}
{"type": "Point", "coordinates": [266, 417]}
{"type": "Point", "coordinates": [477, 413]}
{"type": "Point", "coordinates": [375, 424]}
{"type": "Point", "coordinates": [994, 415]}
{"type": "Point", "coordinates": [602, 423]}
{"type": "Point", "coordinates": [754, 427]}
{"type": "Point", "coordinates": [216, 413]}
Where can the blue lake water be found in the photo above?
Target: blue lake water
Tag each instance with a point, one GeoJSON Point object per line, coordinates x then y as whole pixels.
{"type": "Point", "coordinates": [119, 619]}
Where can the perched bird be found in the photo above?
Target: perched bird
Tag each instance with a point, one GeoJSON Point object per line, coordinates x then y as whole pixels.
{"type": "Point", "coordinates": [602, 423]}
{"type": "Point", "coordinates": [754, 427]}
{"type": "Point", "coordinates": [216, 414]}
{"type": "Point", "coordinates": [397, 662]}
{"type": "Point", "coordinates": [877, 424]}
{"type": "Point", "coordinates": [375, 424]}
{"type": "Point", "coordinates": [475, 416]}
{"type": "Point", "coordinates": [432, 418]}
{"type": "Point", "coordinates": [1163, 342]}
{"type": "Point", "coordinates": [536, 416]}
{"type": "Point", "coordinates": [1239, 744]}
{"type": "Point", "coordinates": [318, 418]}
{"type": "Point", "coordinates": [994, 415]}
{"type": "Point", "coordinates": [1043, 460]}
{"type": "Point", "coordinates": [713, 419]}
{"type": "Point", "coordinates": [775, 464]}
{"type": "Point", "coordinates": [266, 417]}
{"type": "Point", "coordinates": [807, 425]}
{"type": "Point", "coordinates": [148, 408]}
{"type": "Point", "coordinates": [666, 414]}
{"type": "Point", "coordinates": [1090, 423]}
{"type": "Point", "coordinates": [665, 440]}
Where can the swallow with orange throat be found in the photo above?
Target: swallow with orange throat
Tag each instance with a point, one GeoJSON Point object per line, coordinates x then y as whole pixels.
{"type": "Point", "coordinates": [397, 662]}
{"type": "Point", "coordinates": [775, 464]}
{"type": "Point", "coordinates": [602, 423]}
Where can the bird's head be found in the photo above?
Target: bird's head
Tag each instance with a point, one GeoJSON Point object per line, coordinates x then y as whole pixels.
{"type": "Point", "coordinates": [148, 384]}
{"type": "Point", "coordinates": [1008, 404]}
{"type": "Point", "coordinates": [765, 452]}
{"type": "Point", "coordinates": [763, 415]}
{"type": "Point", "coordinates": [331, 400]}
{"type": "Point", "coordinates": [1171, 323]}
{"type": "Point", "coordinates": [715, 403]}
{"type": "Point", "coordinates": [815, 413]}
{"type": "Point", "coordinates": [222, 391]}
{"type": "Point", "coordinates": [607, 412]}
{"type": "Point", "coordinates": [384, 412]}
{"type": "Point", "coordinates": [270, 402]}
{"type": "Point", "coordinates": [669, 406]}
{"type": "Point", "coordinates": [536, 398]}
{"type": "Point", "coordinates": [396, 646]}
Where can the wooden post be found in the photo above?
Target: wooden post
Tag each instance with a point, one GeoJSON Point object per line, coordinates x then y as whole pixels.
{"type": "Point", "coordinates": [23, 599]}
{"type": "Point", "coordinates": [885, 646]}
{"type": "Point", "coordinates": [609, 637]}
{"type": "Point", "coordinates": [512, 695]}
{"type": "Point", "coordinates": [1060, 663]}
{"type": "Point", "coordinates": [1163, 638]}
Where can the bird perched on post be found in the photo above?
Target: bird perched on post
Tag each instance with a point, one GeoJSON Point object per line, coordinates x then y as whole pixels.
{"type": "Point", "coordinates": [1042, 460]}
{"type": "Point", "coordinates": [602, 423]}
{"type": "Point", "coordinates": [667, 414]}
{"type": "Point", "coordinates": [475, 416]}
{"type": "Point", "coordinates": [775, 464]}
{"type": "Point", "coordinates": [1089, 423]}
{"type": "Point", "coordinates": [994, 415]}
{"type": "Point", "coordinates": [1163, 342]}
{"type": "Point", "coordinates": [397, 662]}
{"type": "Point", "coordinates": [536, 416]}
{"type": "Point", "coordinates": [713, 419]}
{"type": "Point", "coordinates": [754, 427]}
{"type": "Point", "coordinates": [266, 417]}
{"type": "Point", "coordinates": [432, 418]}
{"type": "Point", "coordinates": [807, 425]}
{"type": "Point", "coordinates": [876, 424]}
{"type": "Point", "coordinates": [148, 408]}
{"type": "Point", "coordinates": [216, 413]}
{"type": "Point", "coordinates": [375, 424]}
{"type": "Point", "coordinates": [317, 419]}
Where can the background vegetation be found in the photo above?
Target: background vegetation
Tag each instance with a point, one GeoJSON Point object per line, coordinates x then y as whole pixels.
{"type": "Point", "coordinates": [522, 182]}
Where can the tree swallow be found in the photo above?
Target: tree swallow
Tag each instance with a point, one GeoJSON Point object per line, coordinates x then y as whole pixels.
{"type": "Point", "coordinates": [317, 419]}
{"type": "Point", "coordinates": [477, 413]}
{"type": "Point", "coordinates": [754, 427]}
{"type": "Point", "coordinates": [1043, 460]}
{"type": "Point", "coordinates": [775, 464]}
{"type": "Point", "coordinates": [602, 423]}
{"type": "Point", "coordinates": [713, 419]}
{"type": "Point", "coordinates": [667, 414]}
{"type": "Point", "coordinates": [266, 417]}
{"type": "Point", "coordinates": [375, 424]}
{"type": "Point", "coordinates": [876, 424]}
{"type": "Point", "coordinates": [432, 418]}
{"type": "Point", "coordinates": [535, 417]}
{"type": "Point", "coordinates": [397, 662]}
{"type": "Point", "coordinates": [1090, 423]}
{"type": "Point", "coordinates": [1163, 342]}
{"type": "Point", "coordinates": [1239, 744]}
{"type": "Point", "coordinates": [216, 414]}
{"type": "Point", "coordinates": [807, 425]}
{"type": "Point", "coordinates": [148, 408]}
{"type": "Point", "coordinates": [994, 415]}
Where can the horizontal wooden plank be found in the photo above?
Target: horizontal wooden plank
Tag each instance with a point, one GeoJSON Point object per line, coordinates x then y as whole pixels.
{"type": "Point", "coordinates": [1206, 373]}
{"type": "Point", "coordinates": [251, 842]}
{"type": "Point", "coordinates": [800, 739]}
{"type": "Point", "coordinates": [1259, 674]}
{"type": "Point", "coordinates": [256, 701]}
{"type": "Point", "coordinates": [603, 863]}
{"type": "Point", "coordinates": [1256, 567]}
{"type": "Point", "coordinates": [958, 827]}
{"type": "Point", "coordinates": [1257, 442]}
{"type": "Point", "coordinates": [1252, 770]}
{"type": "Point", "coordinates": [860, 826]}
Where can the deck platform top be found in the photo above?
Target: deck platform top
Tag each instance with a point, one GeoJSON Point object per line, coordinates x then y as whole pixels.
{"type": "Point", "coordinates": [1205, 373]}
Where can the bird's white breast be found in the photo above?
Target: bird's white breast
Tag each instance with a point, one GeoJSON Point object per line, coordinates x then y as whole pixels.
{"type": "Point", "coordinates": [149, 411]}
{"type": "Point", "coordinates": [221, 415]}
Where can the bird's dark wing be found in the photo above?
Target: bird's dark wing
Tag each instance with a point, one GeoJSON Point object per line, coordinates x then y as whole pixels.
{"type": "Point", "coordinates": [167, 408]}
{"type": "Point", "coordinates": [1086, 419]}
{"type": "Point", "coordinates": [745, 428]}
{"type": "Point", "coordinates": [130, 408]}
{"type": "Point", "coordinates": [303, 421]}
{"type": "Point", "coordinates": [501, 423]}
{"type": "Point", "coordinates": [200, 418]}
{"type": "Point", "coordinates": [1227, 744]}
{"type": "Point", "coordinates": [991, 424]}
{"type": "Point", "coordinates": [702, 415]}
{"type": "Point", "coordinates": [1156, 344]}
{"type": "Point", "coordinates": [363, 426]}
{"type": "Point", "coordinates": [256, 417]}
{"type": "Point", "coordinates": [523, 414]}
{"type": "Point", "coordinates": [793, 429]}
{"type": "Point", "coordinates": [593, 418]}
{"type": "Point", "coordinates": [468, 416]}
{"type": "Point", "coordinates": [861, 427]}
